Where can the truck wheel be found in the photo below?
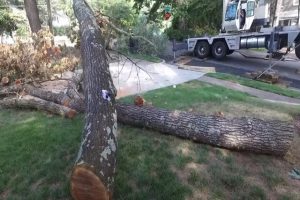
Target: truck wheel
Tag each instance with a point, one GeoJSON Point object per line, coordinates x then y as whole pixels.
{"type": "Point", "coordinates": [219, 50]}
{"type": "Point", "coordinates": [202, 49]}
{"type": "Point", "coordinates": [297, 50]}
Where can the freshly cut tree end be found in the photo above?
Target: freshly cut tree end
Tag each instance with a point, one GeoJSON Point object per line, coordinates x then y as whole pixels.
{"type": "Point", "coordinates": [71, 114]}
{"type": "Point", "coordinates": [5, 81]}
{"type": "Point", "coordinates": [86, 185]}
{"type": "Point", "coordinates": [66, 102]}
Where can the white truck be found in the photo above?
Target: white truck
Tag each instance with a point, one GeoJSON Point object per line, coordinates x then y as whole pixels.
{"type": "Point", "coordinates": [246, 24]}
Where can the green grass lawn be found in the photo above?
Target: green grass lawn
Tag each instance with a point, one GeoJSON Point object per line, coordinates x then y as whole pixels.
{"type": "Point", "coordinates": [257, 84]}
{"type": "Point", "coordinates": [38, 150]}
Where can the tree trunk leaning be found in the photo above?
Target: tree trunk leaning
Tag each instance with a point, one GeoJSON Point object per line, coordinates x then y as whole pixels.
{"type": "Point", "coordinates": [93, 174]}
{"type": "Point", "coordinates": [243, 134]}
{"type": "Point", "coordinates": [32, 13]}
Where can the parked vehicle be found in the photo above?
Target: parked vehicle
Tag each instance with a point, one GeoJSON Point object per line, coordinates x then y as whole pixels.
{"type": "Point", "coordinates": [246, 24]}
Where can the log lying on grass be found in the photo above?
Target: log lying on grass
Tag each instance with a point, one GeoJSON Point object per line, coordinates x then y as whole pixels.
{"type": "Point", "coordinates": [244, 134]}
{"type": "Point", "coordinates": [39, 104]}
{"type": "Point", "coordinates": [75, 103]}
{"type": "Point", "coordinates": [268, 137]}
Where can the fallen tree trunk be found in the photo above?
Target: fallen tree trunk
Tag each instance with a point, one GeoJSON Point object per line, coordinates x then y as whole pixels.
{"type": "Point", "coordinates": [244, 134]}
{"type": "Point", "coordinates": [75, 103]}
{"type": "Point", "coordinates": [254, 135]}
{"type": "Point", "coordinates": [93, 173]}
{"type": "Point", "coordinates": [39, 104]}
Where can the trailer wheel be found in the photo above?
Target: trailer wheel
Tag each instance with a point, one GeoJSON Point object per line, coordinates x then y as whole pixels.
{"type": "Point", "coordinates": [202, 49]}
{"type": "Point", "coordinates": [297, 50]}
{"type": "Point", "coordinates": [219, 50]}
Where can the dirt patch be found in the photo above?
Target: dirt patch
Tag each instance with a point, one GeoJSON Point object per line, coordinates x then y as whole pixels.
{"type": "Point", "coordinates": [36, 184]}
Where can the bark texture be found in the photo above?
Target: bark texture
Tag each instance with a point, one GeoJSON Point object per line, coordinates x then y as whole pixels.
{"type": "Point", "coordinates": [93, 173]}
{"type": "Point", "coordinates": [32, 13]}
{"type": "Point", "coordinates": [244, 134]}
{"type": "Point", "coordinates": [39, 104]}
{"type": "Point", "coordinates": [68, 99]}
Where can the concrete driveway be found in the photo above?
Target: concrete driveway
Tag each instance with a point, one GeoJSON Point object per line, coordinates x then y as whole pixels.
{"type": "Point", "coordinates": [130, 79]}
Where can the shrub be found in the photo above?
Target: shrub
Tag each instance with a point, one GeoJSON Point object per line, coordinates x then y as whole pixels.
{"type": "Point", "coordinates": [151, 31]}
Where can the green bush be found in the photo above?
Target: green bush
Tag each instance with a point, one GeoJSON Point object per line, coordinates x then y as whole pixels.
{"type": "Point", "coordinates": [150, 31]}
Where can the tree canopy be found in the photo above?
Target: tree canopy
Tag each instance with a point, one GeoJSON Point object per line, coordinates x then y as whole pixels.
{"type": "Point", "coordinates": [190, 17]}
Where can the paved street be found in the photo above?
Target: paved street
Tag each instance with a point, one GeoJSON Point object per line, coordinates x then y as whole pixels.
{"type": "Point", "coordinates": [237, 64]}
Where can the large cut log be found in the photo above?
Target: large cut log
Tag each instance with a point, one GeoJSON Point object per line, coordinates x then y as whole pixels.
{"type": "Point", "coordinates": [39, 104]}
{"type": "Point", "coordinates": [93, 174]}
{"type": "Point", "coordinates": [245, 134]}
{"type": "Point", "coordinates": [59, 98]}
{"type": "Point", "coordinates": [268, 137]}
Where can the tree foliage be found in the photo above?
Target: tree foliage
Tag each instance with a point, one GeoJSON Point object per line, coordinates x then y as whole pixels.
{"type": "Point", "coordinates": [196, 17]}
{"type": "Point", "coordinates": [8, 22]}
{"type": "Point", "coordinates": [153, 8]}
{"type": "Point", "coordinates": [190, 17]}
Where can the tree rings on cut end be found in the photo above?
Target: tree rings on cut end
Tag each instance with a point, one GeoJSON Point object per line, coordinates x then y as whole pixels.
{"type": "Point", "coordinates": [86, 185]}
{"type": "Point", "coordinates": [5, 81]}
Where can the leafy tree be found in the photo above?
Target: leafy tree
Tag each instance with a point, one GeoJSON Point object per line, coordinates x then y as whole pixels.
{"type": "Point", "coordinates": [8, 23]}
{"type": "Point", "coordinates": [153, 8]}
{"type": "Point", "coordinates": [196, 17]}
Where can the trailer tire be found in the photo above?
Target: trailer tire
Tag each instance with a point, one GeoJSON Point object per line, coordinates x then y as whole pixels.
{"type": "Point", "coordinates": [297, 50]}
{"type": "Point", "coordinates": [202, 49]}
{"type": "Point", "coordinates": [219, 50]}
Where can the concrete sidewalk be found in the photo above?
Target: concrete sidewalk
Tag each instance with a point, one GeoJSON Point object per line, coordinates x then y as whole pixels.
{"type": "Point", "coordinates": [130, 79]}
{"type": "Point", "coordinates": [268, 96]}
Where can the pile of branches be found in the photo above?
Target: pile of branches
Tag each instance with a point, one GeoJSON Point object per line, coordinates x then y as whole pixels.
{"type": "Point", "coordinates": [36, 60]}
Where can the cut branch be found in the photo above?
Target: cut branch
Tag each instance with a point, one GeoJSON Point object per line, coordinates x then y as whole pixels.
{"type": "Point", "coordinates": [122, 32]}
{"type": "Point", "coordinates": [39, 104]}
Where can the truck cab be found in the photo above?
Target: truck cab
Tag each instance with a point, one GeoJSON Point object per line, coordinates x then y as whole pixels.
{"type": "Point", "coordinates": [244, 15]}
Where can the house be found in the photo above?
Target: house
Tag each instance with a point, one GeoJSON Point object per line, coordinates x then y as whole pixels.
{"type": "Point", "coordinates": [289, 13]}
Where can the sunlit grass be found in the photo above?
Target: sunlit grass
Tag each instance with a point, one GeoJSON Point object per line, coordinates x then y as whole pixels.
{"type": "Point", "coordinates": [38, 150]}
{"type": "Point", "coordinates": [257, 84]}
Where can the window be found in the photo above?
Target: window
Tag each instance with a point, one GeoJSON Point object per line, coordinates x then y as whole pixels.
{"type": "Point", "coordinates": [231, 12]}
{"type": "Point", "coordinates": [295, 2]}
{"type": "Point", "coordinates": [250, 8]}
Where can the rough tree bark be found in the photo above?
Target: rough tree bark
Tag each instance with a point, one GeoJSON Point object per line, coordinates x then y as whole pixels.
{"type": "Point", "coordinates": [244, 134]}
{"type": "Point", "coordinates": [93, 173]}
{"type": "Point", "coordinates": [38, 104]}
{"type": "Point", "coordinates": [49, 12]}
{"type": "Point", "coordinates": [32, 13]}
